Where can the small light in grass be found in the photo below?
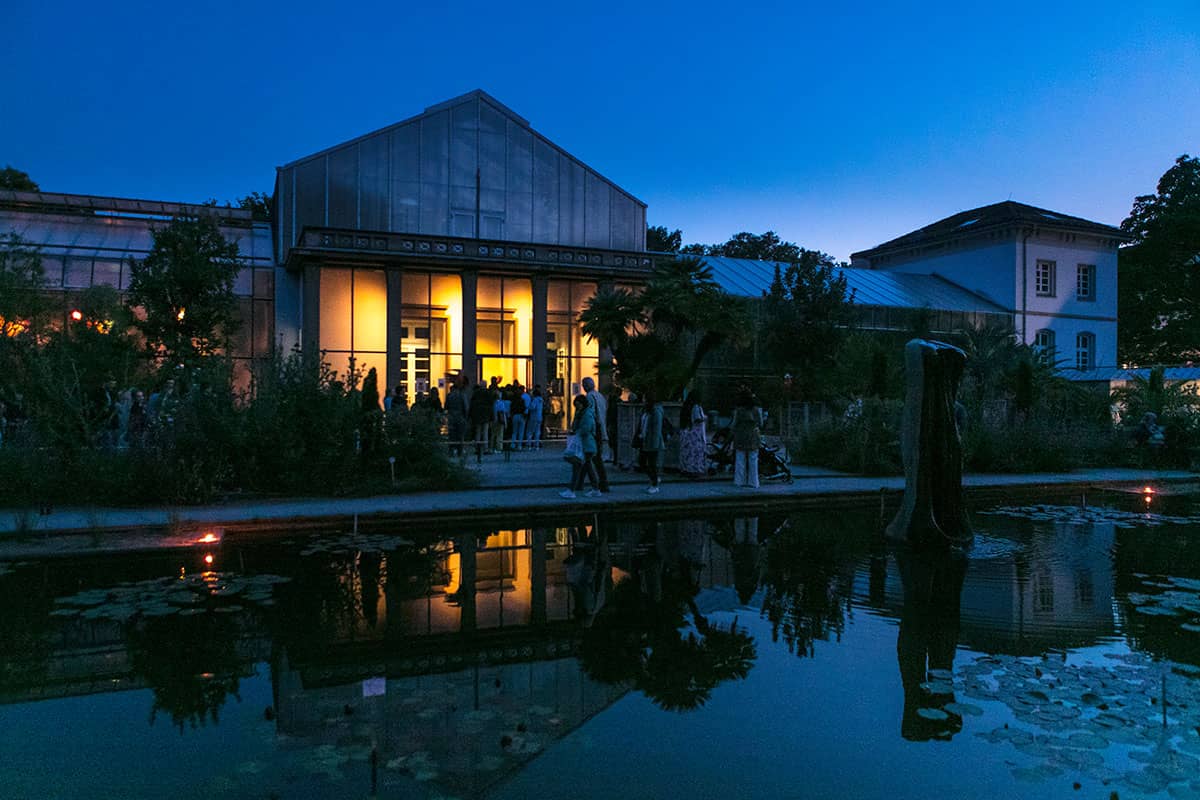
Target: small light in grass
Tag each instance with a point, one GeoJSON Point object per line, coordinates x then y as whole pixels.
{"type": "Point", "coordinates": [76, 314]}
{"type": "Point", "coordinates": [181, 314]}
{"type": "Point", "coordinates": [208, 558]}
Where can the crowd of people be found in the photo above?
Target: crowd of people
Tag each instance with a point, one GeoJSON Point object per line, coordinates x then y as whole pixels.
{"type": "Point", "coordinates": [653, 433]}
{"type": "Point", "coordinates": [111, 418]}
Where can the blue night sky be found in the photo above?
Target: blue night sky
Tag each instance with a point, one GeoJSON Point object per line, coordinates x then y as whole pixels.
{"type": "Point", "coordinates": [838, 125]}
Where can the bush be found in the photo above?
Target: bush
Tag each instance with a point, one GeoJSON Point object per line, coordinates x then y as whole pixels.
{"type": "Point", "coordinates": [300, 431]}
{"type": "Point", "coordinates": [866, 441]}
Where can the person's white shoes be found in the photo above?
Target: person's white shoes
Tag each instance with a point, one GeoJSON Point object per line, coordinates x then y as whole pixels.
{"type": "Point", "coordinates": [592, 493]}
{"type": "Point", "coordinates": [652, 490]}
{"type": "Point", "coordinates": [567, 494]}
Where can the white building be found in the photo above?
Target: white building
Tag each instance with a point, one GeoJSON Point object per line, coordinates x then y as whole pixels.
{"type": "Point", "coordinates": [1055, 273]}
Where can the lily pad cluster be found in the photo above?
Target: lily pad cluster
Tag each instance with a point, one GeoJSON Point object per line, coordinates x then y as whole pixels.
{"type": "Point", "coordinates": [1169, 597]}
{"type": "Point", "coordinates": [218, 592]}
{"type": "Point", "coordinates": [1079, 515]}
{"type": "Point", "coordinates": [347, 544]}
{"type": "Point", "coordinates": [1102, 721]}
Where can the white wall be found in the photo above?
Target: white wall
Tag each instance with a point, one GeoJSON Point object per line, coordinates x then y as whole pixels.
{"type": "Point", "coordinates": [1096, 316]}
{"type": "Point", "coordinates": [993, 269]}
{"type": "Point", "coordinates": [987, 268]}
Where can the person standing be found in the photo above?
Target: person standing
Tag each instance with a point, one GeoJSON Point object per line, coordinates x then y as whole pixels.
{"type": "Point", "coordinates": [457, 412]}
{"type": "Point", "coordinates": [480, 411]}
{"type": "Point", "coordinates": [599, 408]}
{"type": "Point", "coordinates": [583, 427]}
{"type": "Point", "coordinates": [537, 405]}
{"type": "Point", "coordinates": [137, 419]}
{"type": "Point", "coordinates": [387, 401]}
{"type": "Point", "coordinates": [693, 438]}
{"type": "Point", "coordinates": [519, 412]}
{"type": "Point", "coordinates": [747, 438]}
{"type": "Point", "coordinates": [652, 443]}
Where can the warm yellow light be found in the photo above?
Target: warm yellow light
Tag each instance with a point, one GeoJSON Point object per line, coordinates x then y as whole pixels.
{"type": "Point", "coordinates": [208, 558]}
{"type": "Point", "coordinates": [181, 314]}
{"type": "Point", "coordinates": [208, 537]}
{"type": "Point", "coordinates": [76, 315]}
{"type": "Point", "coordinates": [1148, 490]}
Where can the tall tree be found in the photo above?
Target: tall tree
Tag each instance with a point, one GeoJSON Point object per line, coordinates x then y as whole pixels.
{"type": "Point", "coordinates": [258, 204]}
{"type": "Point", "coordinates": [13, 178]}
{"type": "Point", "coordinates": [660, 337]}
{"type": "Point", "coordinates": [185, 286]}
{"type": "Point", "coordinates": [23, 305]}
{"type": "Point", "coordinates": [1159, 272]}
{"type": "Point", "coordinates": [661, 240]}
{"type": "Point", "coordinates": [806, 313]}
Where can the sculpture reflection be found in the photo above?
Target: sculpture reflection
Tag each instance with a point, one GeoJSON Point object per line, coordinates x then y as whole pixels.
{"type": "Point", "coordinates": [927, 640]}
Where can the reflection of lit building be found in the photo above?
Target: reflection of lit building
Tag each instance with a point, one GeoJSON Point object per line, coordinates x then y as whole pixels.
{"type": "Point", "coordinates": [1048, 589]}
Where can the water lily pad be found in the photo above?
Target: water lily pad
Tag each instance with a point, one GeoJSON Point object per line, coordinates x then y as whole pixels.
{"type": "Point", "coordinates": [964, 709]}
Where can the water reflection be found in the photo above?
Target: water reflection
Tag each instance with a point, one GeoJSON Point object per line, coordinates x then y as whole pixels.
{"type": "Point", "coordinates": [451, 658]}
{"type": "Point", "coordinates": [927, 641]}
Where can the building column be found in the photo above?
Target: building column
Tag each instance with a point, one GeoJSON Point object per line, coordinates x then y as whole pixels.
{"type": "Point", "coordinates": [395, 331]}
{"type": "Point", "coordinates": [470, 366]}
{"type": "Point", "coordinates": [310, 310]}
{"type": "Point", "coordinates": [539, 329]}
{"type": "Point", "coordinates": [606, 356]}
{"type": "Point", "coordinates": [537, 576]}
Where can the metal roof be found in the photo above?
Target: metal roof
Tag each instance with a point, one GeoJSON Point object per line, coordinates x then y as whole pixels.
{"type": "Point", "coordinates": [1110, 374]}
{"type": "Point", "coordinates": [750, 278]}
{"type": "Point", "coordinates": [1002, 214]}
{"type": "Point", "coordinates": [110, 231]}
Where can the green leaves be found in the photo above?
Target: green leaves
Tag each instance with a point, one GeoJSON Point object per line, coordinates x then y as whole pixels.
{"type": "Point", "coordinates": [660, 337]}
{"type": "Point", "coordinates": [1159, 274]}
{"type": "Point", "coordinates": [185, 287]}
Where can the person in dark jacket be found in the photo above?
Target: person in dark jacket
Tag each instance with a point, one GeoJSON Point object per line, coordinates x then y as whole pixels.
{"type": "Point", "coordinates": [480, 412]}
{"type": "Point", "coordinates": [457, 412]}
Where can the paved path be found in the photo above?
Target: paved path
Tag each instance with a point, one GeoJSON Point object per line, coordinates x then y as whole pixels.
{"type": "Point", "coordinates": [524, 487]}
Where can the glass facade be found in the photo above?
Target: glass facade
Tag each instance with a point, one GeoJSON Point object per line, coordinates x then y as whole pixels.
{"type": "Point", "coordinates": [570, 356]}
{"type": "Point", "coordinates": [431, 332]}
{"type": "Point", "coordinates": [504, 329]}
{"type": "Point", "coordinates": [354, 320]}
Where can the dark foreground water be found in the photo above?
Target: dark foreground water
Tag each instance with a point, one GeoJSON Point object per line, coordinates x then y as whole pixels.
{"type": "Point", "coordinates": [713, 657]}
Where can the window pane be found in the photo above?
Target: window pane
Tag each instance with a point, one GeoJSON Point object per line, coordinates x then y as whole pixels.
{"type": "Point", "coordinates": [558, 296]}
{"type": "Point", "coordinates": [106, 273]}
{"type": "Point", "coordinates": [446, 302]}
{"type": "Point", "coordinates": [581, 293]}
{"type": "Point", "coordinates": [243, 284]}
{"type": "Point", "coordinates": [370, 310]}
{"type": "Point", "coordinates": [264, 284]}
{"type": "Point", "coordinates": [487, 293]}
{"type": "Point", "coordinates": [52, 267]}
{"type": "Point", "coordinates": [518, 296]}
{"type": "Point", "coordinates": [335, 312]}
{"type": "Point", "coordinates": [414, 288]}
{"type": "Point", "coordinates": [78, 273]}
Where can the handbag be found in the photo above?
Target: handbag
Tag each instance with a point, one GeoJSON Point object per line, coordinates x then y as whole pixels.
{"type": "Point", "coordinates": [574, 449]}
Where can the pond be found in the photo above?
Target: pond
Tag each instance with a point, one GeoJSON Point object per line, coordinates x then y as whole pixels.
{"type": "Point", "coordinates": [777, 655]}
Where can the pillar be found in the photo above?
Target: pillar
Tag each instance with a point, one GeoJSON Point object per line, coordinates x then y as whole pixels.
{"type": "Point", "coordinates": [606, 356]}
{"type": "Point", "coordinates": [395, 332]}
{"type": "Point", "coordinates": [539, 330]}
{"type": "Point", "coordinates": [537, 576]}
{"type": "Point", "coordinates": [310, 310]}
{"type": "Point", "coordinates": [470, 365]}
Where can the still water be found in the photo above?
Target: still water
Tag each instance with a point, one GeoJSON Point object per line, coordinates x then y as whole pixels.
{"type": "Point", "coordinates": [711, 657]}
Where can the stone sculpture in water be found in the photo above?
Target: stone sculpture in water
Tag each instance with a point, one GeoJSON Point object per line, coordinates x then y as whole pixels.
{"type": "Point", "coordinates": [932, 513]}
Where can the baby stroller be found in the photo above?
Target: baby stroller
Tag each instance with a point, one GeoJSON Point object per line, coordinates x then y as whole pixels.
{"type": "Point", "coordinates": [772, 463]}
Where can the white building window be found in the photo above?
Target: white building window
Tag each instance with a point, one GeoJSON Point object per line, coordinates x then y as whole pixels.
{"type": "Point", "coordinates": [1085, 350]}
{"type": "Point", "coordinates": [1043, 343]}
{"type": "Point", "coordinates": [1085, 282]}
{"type": "Point", "coordinates": [1043, 280]}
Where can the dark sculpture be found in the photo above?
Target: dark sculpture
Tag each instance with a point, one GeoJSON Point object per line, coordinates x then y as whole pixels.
{"type": "Point", "coordinates": [932, 513]}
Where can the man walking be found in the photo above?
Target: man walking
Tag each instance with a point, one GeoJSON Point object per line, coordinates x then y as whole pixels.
{"type": "Point", "coordinates": [599, 408]}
